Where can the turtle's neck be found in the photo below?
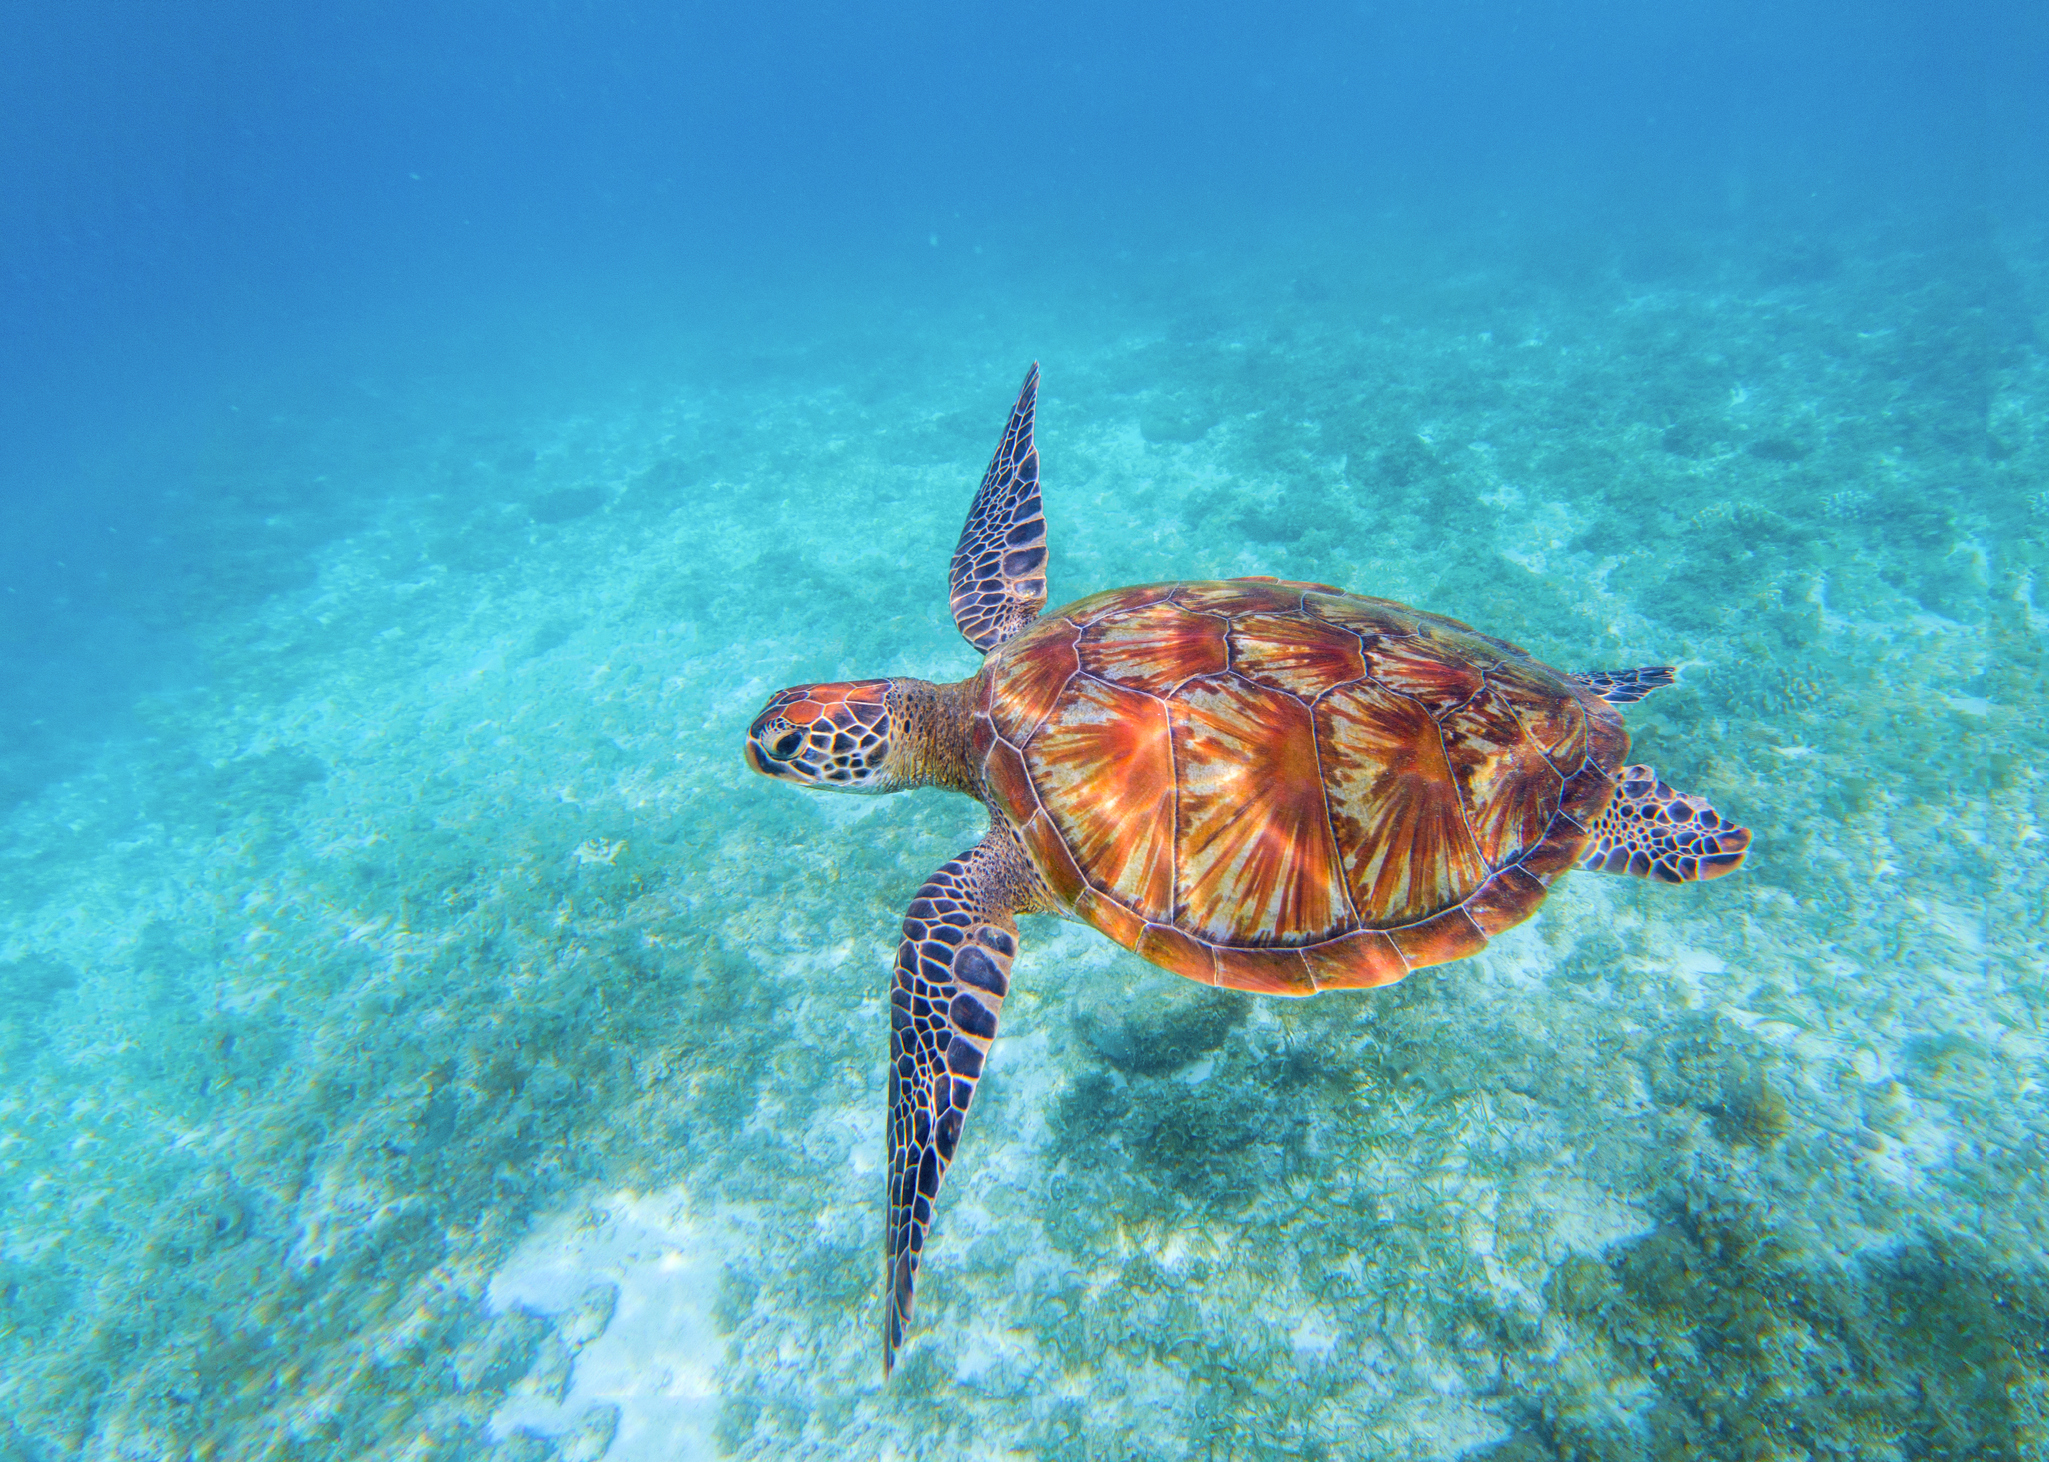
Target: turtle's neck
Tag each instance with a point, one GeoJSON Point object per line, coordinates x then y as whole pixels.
{"type": "Point", "coordinates": [935, 724]}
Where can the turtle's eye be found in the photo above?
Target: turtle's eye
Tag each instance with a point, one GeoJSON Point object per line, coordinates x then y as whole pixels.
{"type": "Point", "coordinates": [787, 744]}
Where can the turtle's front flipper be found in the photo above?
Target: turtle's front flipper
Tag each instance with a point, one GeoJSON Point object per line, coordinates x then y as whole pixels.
{"type": "Point", "coordinates": [952, 972]}
{"type": "Point", "coordinates": [999, 565]}
{"type": "Point", "coordinates": [1652, 831]}
{"type": "Point", "coordinates": [1620, 687]}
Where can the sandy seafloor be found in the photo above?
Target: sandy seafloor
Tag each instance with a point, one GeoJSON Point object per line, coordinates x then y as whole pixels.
{"type": "Point", "coordinates": [427, 1040]}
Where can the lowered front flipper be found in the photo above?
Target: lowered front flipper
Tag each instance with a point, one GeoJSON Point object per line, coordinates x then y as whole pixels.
{"type": "Point", "coordinates": [952, 972]}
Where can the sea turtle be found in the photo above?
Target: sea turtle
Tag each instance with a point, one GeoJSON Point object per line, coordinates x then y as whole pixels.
{"type": "Point", "coordinates": [1263, 785]}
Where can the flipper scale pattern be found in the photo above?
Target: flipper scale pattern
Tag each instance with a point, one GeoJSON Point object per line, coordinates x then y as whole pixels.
{"type": "Point", "coordinates": [1624, 687]}
{"type": "Point", "coordinates": [998, 576]}
{"type": "Point", "coordinates": [952, 972]}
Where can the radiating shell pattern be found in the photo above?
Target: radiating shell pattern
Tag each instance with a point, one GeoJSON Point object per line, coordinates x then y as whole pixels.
{"type": "Point", "coordinates": [1283, 787]}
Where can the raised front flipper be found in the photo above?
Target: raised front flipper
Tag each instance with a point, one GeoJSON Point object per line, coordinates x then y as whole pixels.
{"type": "Point", "coordinates": [1652, 831]}
{"type": "Point", "coordinates": [999, 565]}
{"type": "Point", "coordinates": [1620, 687]}
{"type": "Point", "coordinates": [952, 971]}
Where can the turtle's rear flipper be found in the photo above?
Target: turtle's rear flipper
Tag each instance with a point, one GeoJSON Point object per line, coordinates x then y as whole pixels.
{"type": "Point", "coordinates": [1652, 831]}
{"type": "Point", "coordinates": [1620, 687]}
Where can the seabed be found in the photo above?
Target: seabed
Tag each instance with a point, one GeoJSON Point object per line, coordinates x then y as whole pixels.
{"type": "Point", "coordinates": [424, 1039]}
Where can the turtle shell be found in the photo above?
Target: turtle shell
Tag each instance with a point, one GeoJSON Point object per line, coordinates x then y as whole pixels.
{"type": "Point", "coordinates": [1283, 787]}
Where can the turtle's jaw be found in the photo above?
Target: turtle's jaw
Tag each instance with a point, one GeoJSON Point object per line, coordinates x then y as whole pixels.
{"type": "Point", "coordinates": [762, 764]}
{"type": "Point", "coordinates": [800, 768]}
{"type": "Point", "coordinates": [772, 749]}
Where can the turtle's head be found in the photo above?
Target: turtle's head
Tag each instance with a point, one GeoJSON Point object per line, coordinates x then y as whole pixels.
{"type": "Point", "coordinates": [839, 736]}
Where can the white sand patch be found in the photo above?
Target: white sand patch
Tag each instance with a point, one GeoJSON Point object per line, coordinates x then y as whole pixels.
{"type": "Point", "coordinates": [630, 1284]}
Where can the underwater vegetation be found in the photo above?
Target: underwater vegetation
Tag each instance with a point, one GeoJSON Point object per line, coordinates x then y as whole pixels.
{"type": "Point", "coordinates": [439, 931]}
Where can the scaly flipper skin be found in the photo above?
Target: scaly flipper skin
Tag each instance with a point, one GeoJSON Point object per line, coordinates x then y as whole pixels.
{"type": "Point", "coordinates": [998, 576]}
{"type": "Point", "coordinates": [1652, 831]}
{"type": "Point", "coordinates": [952, 972]}
{"type": "Point", "coordinates": [1620, 687]}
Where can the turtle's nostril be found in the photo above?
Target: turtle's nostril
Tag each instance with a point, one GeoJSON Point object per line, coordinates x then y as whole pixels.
{"type": "Point", "coordinates": [786, 747]}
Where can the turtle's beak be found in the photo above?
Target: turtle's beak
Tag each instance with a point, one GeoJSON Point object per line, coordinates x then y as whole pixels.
{"type": "Point", "coordinates": [774, 757]}
{"type": "Point", "coordinates": [768, 764]}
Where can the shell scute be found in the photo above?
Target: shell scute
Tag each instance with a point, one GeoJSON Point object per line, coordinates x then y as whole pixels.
{"type": "Point", "coordinates": [1031, 676]}
{"type": "Point", "coordinates": [1395, 805]}
{"type": "Point", "coordinates": [1056, 864]}
{"type": "Point", "coordinates": [1547, 705]}
{"type": "Point", "coordinates": [1439, 940]}
{"type": "Point", "coordinates": [1239, 596]}
{"type": "Point", "coordinates": [1509, 787]}
{"type": "Point", "coordinates": [1116, 601]}
{"type": "Point", "coordinates": [1295, 653]}
{"type": "Point", "coordinates": [1586, 794]}
{"type": "Point", "coordinates": [1558, 851]}
{"type": "Point", "coordinates": [1104, 768]}
{"type": "Point", "coordinates": [1177, 952]}
{"type": "Point", "coordinates": [1505, 900]}
{"type": "Point", "coordinates": [1422, 670]}
{"type": "Point", "coordinates": [1558, 731]}
{"type": "Point", "coordinates": [1110, 916]}
{"type": "Point", "coordinates": [1607, 739]}
{"type": "Point", "coordinates": [1264, 971]}
{"type": "Point", "coordinates": [1155, 647]}
{"type": "Point", "coordinates": [1364, 614]}
{"type": "Point", "coordinates": [1258, 864]}
{"type": "Point", "coordinates": [1355, 962]}
{"type": "Point", "coordinates": [1009, 783]}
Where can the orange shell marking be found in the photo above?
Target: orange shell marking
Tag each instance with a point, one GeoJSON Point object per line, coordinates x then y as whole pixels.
{"type": "Point", "coordinates": [1280, 787]}
{"type": "Point", "coordinates": [1257, 862]}
{"type": "Point", "coordinates": [1509, 788]}
{"type": "Point", "coordinates": [1408, 849]}
{"type": "Point", "coordinates": [1295, 653]}
{"type": "Point", "coordinates": [1114, 601]}
{"type": "Point", "coordinates": [1156, 647]}
{"type": "Point", "coordinates": [1034, 678]}
{"type": "Point", "coordinates": [1240, 596]}
{"type": "Point", "coordinates": [1105, 768]}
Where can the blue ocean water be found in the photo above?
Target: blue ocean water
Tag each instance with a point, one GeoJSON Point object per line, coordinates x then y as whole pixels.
{"type": "Point", "coordinates": [431, 436]}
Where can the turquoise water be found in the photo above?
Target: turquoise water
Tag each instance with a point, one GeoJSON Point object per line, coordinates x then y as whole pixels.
{"type": "Point", "coordinates": [424, 1038]}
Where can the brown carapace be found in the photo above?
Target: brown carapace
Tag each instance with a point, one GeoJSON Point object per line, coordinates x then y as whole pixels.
{"type": "Point", "coordinates": [1269, 786]}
